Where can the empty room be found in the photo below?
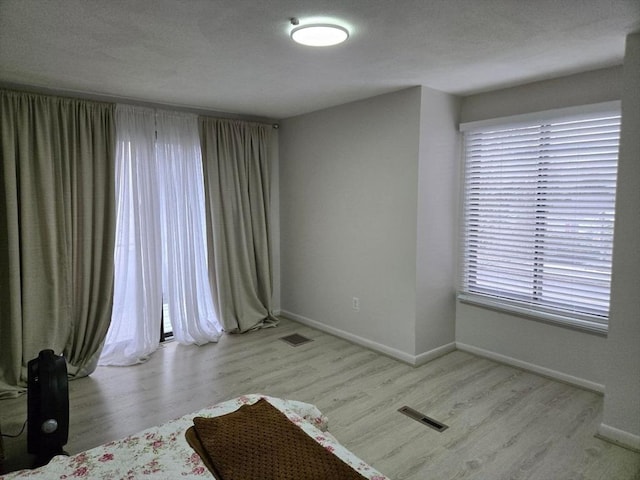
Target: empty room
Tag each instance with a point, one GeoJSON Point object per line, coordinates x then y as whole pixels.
{"type": "Point", "coordinates": [320, 240]}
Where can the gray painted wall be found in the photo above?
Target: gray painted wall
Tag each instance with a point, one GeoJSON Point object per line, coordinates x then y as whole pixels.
{"type": "Point", "coordinates": [621, 419]}
{"type": "Point", "coordinates": [597, 86]}
{"type": "Point", "coordinates": [348, 206]}
{"type": "Point", "coordinates": [361, 186]}
{"type": "Point", "coordinates": [438, 194]}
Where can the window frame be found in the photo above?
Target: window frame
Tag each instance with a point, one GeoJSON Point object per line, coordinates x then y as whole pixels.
{"type": "Point", "coordinates": [586, 322]}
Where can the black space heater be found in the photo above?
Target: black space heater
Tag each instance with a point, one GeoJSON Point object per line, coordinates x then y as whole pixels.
{"type": "Point", "coordinates": [47, 406]}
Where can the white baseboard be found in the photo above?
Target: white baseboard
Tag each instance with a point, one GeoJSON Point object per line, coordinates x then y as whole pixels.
{"type": "Point", "coordinates": [421, 359]}
{"type": "Point", "coordinates": [619, 437]}
{"type": "Point", "coordinates": [545, 372]}
{"type": "Point", "coordinates": [412, 360]}
{"type": "Point", "coordinates": [365, 342]}
{"type": "Point", "coordinates": [433, 354]}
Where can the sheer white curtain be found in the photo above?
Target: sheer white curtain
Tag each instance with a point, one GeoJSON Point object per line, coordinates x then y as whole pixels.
{"type": "Point", "coordinates": [185, 274]}
{"type": "Point", "coordinates": [137, 304]}
{"type": "Point", "coordinates": [161, 247]}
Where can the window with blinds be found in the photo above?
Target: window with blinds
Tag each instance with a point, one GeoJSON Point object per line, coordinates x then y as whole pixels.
{"type": "Point", "coordinates": [539, 205]}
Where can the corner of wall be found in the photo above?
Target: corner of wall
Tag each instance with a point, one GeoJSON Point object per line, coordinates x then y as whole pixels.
{"type": "Point", "coordinates": [621, 417]}
{"type": "Point", "coordinates": [438, 180]}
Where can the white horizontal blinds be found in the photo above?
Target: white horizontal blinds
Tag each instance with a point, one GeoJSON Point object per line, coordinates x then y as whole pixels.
{"type": "Point", "coordinates": [539, 212]}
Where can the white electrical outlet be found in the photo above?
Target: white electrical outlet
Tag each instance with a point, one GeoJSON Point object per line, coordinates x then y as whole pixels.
{"type": "Point", "coordinates": [356, 304]}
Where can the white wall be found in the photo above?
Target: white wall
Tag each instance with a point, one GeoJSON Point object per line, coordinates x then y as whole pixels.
{"type": "Point", "coordinates": [573, 355]}
{"type": "Point", "coordinates": [348, 205]}
{"type": "Point", "coordinates": [597, 86]}
{"type": "Point", "coordinates": [352, 178]}
{"type": "Point", "coordinates": [621, 420]}
{"type": "Point", "coordinates": [438, 194]}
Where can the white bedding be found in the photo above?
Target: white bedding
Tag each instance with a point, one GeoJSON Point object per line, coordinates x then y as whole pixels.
{"type": "Point", "coordinates": [162, 452]}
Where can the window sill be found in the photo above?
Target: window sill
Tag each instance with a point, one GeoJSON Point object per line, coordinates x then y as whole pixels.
{"type": "Point", "coordinates": [572, 323]}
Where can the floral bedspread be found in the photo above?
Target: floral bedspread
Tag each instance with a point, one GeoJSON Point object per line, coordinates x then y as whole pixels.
{"type": "Point", "coordinates": [162, 452]}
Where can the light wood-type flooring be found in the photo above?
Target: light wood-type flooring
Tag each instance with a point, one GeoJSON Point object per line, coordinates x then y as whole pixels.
{"type": "Point", "coordinates": [504, 423]}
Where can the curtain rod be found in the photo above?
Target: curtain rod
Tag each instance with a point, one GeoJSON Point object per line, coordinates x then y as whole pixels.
{"type": "Point", "coordinates": [101, 97]}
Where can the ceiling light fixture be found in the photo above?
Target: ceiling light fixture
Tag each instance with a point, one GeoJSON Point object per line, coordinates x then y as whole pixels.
{"type": "Point", "coordinates": [319, 34]}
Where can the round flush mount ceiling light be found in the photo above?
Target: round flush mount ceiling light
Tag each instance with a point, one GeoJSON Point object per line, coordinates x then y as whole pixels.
{"type": "Point", "coordinates": [319, 35]}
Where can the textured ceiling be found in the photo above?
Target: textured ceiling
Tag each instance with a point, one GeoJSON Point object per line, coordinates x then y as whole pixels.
{"type": "Point", "coordinates": [235, 55]}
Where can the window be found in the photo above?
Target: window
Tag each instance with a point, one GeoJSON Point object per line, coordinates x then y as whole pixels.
{"type": "Point", "coordinates": [161, 282]}
{"type": "Point", "coordinates": [166, 329]}
{"type": "Point", "coordinates": [539, 205]}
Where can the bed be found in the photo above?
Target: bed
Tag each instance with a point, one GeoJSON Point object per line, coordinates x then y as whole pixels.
{"type": "Point", "coordinates": [163, 452]}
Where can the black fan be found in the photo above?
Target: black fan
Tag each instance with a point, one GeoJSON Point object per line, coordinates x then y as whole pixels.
{"type": "Point", "coordinates": [47, 406]}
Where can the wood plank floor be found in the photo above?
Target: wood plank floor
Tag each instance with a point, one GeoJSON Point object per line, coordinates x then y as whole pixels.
{"type": "Point", "coordinates": [504, 423]}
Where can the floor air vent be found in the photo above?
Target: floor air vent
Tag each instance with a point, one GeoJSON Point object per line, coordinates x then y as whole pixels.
{"type": "Point", "coordinates": [419, 417]}
{"type": "Point", "coordinates": [295, 339]}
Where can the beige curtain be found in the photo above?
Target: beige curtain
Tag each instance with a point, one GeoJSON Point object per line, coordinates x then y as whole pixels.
{"type": "Point", "coordinates": [235, 159]}
{"type": "Point", "coordinates": [57, 229]}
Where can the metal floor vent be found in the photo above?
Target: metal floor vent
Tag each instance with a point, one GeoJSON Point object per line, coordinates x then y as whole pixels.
{"type": "Point", "coordinates": [295, 339]}
{"type": "Point", "coordinates": [429, 422]}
